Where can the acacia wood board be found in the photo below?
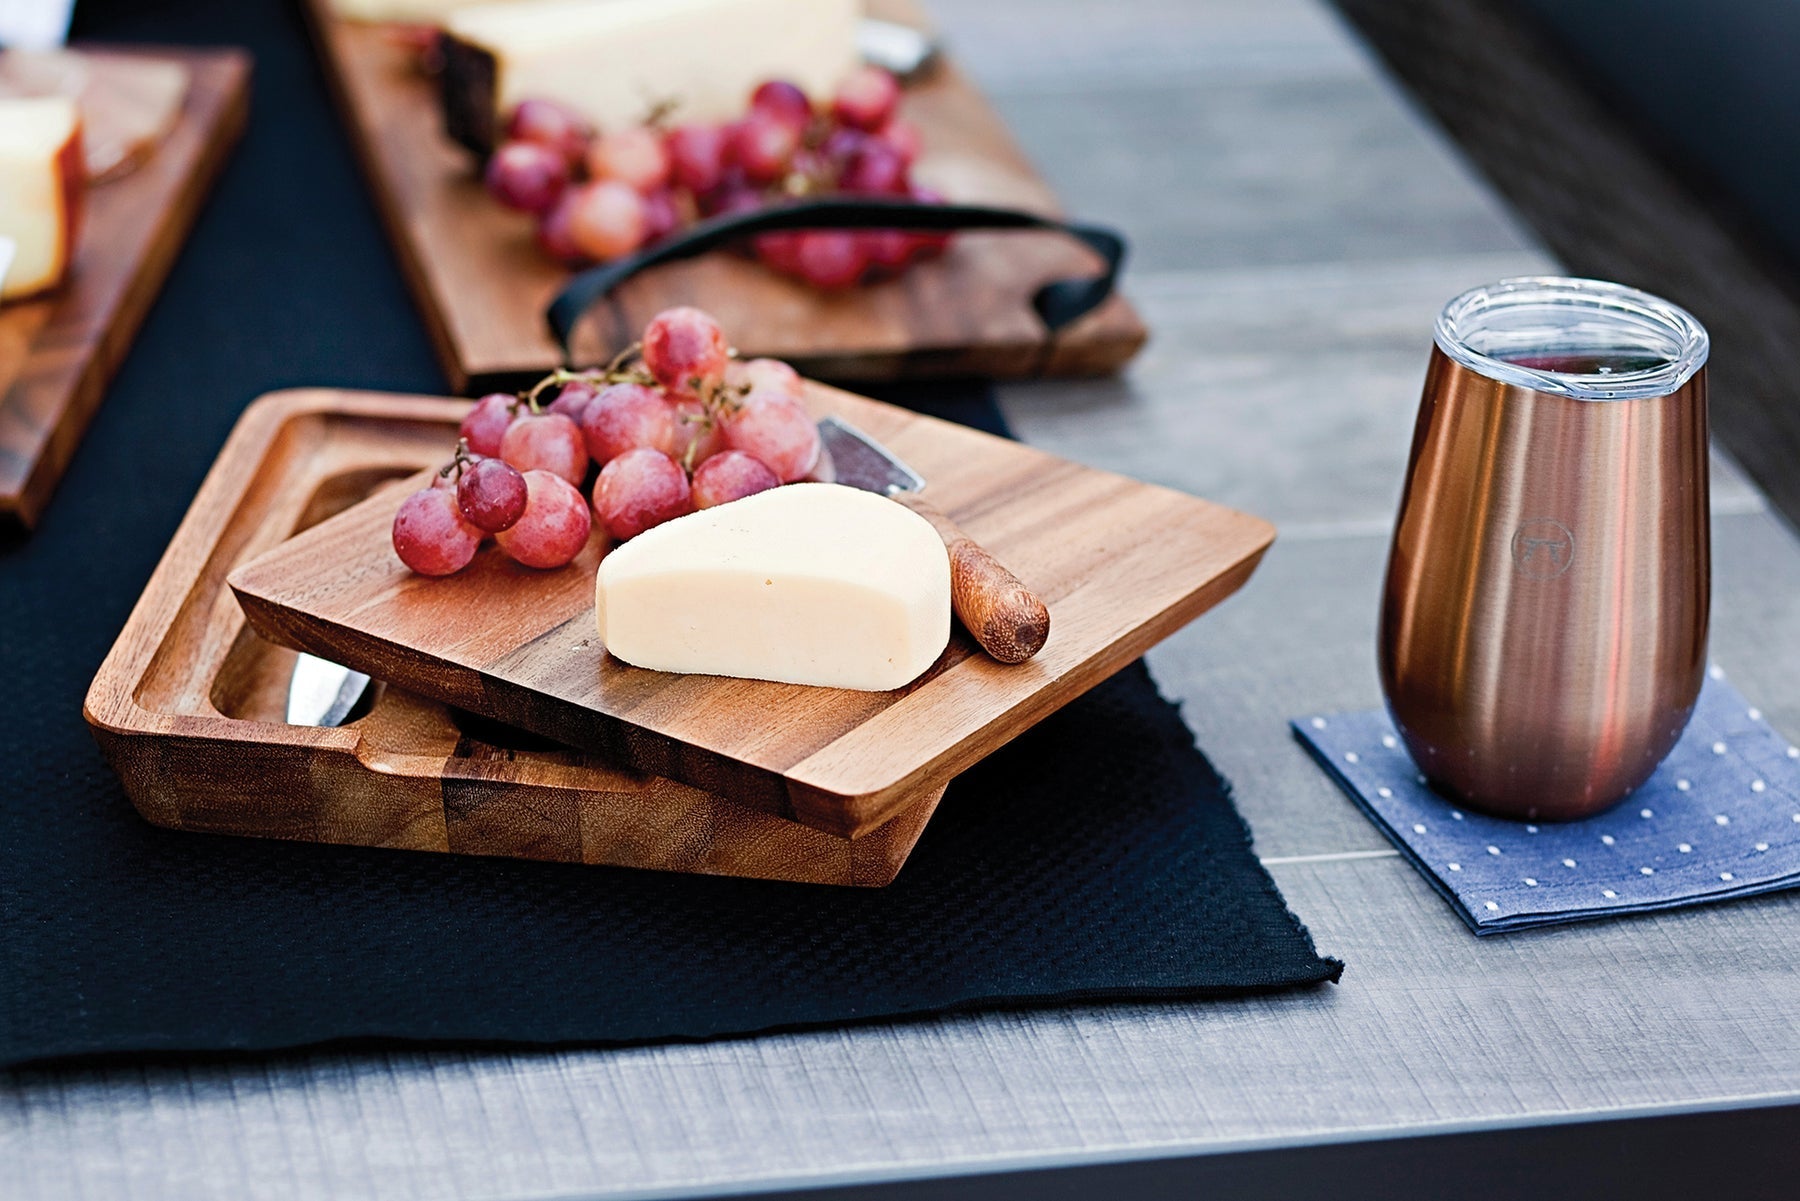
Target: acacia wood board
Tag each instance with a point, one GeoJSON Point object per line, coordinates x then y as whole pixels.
{"type": "Point", "coordinates": [483, 285]}
{"type": "Point", "coordinates": [188, 706]}
{"type": "Point", "coordinates": [1121, 565]}
{"type": "Point", "coordinates": [59, 350]}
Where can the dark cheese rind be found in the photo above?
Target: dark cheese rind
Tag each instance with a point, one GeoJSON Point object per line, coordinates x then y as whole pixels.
{"type": "Point", "coordinates": [467, 87]}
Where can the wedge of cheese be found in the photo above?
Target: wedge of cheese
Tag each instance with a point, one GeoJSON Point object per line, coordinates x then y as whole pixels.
{"type": "Point", "coordinates": [614, 60]}
{"type": "Point", "coordinates": [805, 584]}
{"type": "Point", "coordinates": [42, 182]}
{"type": "Point", "coordinates": [409, 12]}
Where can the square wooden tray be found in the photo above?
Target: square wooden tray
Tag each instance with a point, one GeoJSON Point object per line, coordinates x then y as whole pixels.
{"type": "Point", "coordinates": [188, 705]}
{"type": "Point", "coordinates": [1121, 564]}
{"type": "Point", "coordinates": [483, 285]}
{"type": "Point", "coordinates": [57, 352]}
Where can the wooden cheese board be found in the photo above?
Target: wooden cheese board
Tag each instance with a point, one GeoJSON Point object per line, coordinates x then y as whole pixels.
{"type": "Point", "coordinates": [188, 705]}
{"type": "Point", "coordinates": [58, 351]}
{"type": "Point", "coordinates": [483, 286]}
{"type": "Point", "coordinates": [1121, 564]}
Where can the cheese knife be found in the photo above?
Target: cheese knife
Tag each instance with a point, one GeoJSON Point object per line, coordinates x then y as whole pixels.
{"type": "Point", "coordinates": [999, 611]}
{"type": "Point", "coordinates": [323, 693]}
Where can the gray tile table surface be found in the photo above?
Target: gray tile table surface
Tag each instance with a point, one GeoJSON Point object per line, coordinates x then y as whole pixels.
{"type": "Point", "coordinates": [1297, 225]}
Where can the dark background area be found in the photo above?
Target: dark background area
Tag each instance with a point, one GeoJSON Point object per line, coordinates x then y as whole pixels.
{"type": "Point", "coordinates": [1715, 83]}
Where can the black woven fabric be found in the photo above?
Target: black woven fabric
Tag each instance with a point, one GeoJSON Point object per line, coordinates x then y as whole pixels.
{"type": "Point", "coordinates": [1097, 857]}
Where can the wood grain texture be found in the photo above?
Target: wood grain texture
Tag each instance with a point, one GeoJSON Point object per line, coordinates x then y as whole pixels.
{"type": "Point", "coordinates": [57, 352]}
{"type": "Point", "coordinates": [1120, 563]}
{"type": "Point", "coordinates": [482, 285]}
{"type": "Point", "coordinates": [188, 706]}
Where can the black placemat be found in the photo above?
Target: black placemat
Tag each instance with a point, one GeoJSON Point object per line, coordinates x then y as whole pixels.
{"type": "Point", "coordinates": [1097, 857]}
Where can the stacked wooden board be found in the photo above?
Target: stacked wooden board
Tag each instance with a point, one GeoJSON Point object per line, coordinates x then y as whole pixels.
{"type": "Point", "coordinates": [482, 284]}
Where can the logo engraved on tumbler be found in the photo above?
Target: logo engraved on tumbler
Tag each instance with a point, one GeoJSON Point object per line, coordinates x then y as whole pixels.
{"type": "Point", "coordinates": [1543, 548]}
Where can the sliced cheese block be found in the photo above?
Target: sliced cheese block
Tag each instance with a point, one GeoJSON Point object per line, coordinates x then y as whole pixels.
{"type": "Point", "coordinates": [411, 12]}
{"type": "Point", "coordinates": [41, 189]}
{"type": "Point", "coordinates": [128, 102]}
{"type": "Point", "coordinates": [613, 60]}
{"type": "Point", "coordinates": [805, 584]}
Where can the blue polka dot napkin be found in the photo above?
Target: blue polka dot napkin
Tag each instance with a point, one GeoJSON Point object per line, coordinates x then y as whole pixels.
{"type": "Point", "coordinates": [1719, 819]}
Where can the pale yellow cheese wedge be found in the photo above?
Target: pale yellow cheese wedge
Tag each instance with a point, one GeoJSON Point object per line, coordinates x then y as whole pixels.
{"type": "Point", "coordinates": [612, 60]}
{"type": "Point", "coordinates": [804, 584]}
{"type": "Point", "coordinates": [41, 189]}
{"type": "Point", "coordinates": [411, 12]}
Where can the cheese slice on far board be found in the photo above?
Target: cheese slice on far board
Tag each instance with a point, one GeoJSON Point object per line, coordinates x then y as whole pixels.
{"type": "Point", "coordinates": [42, 184]}
{"type": "Point", "coordinates": [613, 61]}
{"type": "Point", "coordinates": [803, 584]}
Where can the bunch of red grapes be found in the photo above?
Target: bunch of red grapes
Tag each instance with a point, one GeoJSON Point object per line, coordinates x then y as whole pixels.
{"type": "Point", "coordinates": [600, 195]}
{"type": "Point", "coordinates": [685, 428]}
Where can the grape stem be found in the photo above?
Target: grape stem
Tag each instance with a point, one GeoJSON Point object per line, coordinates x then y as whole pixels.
{"type": "Point", "coordinates": [461, 461]}
{"type": "Point", "coordinates": [615, 372]}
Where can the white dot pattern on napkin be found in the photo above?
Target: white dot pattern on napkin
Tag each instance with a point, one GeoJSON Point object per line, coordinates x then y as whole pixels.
{"type": "Point", "coordinates": [1719, 818]}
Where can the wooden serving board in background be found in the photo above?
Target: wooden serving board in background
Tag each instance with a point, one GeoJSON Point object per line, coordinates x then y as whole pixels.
{"type": "Point", "coordinates": [483, 285]}
{"type": "Point", "coordinates": [58, 351]}
{"type": "Point", "coordinates": [188, 705]}
{"type": "Point", "coordinates": [1121, 564]}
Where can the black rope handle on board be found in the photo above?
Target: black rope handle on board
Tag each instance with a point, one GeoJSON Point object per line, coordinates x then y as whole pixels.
{"type": "Point", "coordinates": [1058, 302]}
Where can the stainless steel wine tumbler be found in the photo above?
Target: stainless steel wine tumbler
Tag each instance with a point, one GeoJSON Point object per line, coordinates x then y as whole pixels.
{"type": "Point", "coordinates": [1544, 621]}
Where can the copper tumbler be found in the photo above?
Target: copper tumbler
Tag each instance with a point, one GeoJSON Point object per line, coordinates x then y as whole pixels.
{"type": "Point", "coordinates": [1543, 628]}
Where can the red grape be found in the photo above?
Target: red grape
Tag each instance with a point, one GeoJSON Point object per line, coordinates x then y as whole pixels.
{"type": "Point", "coordinates": [779, 251]}
{"type": "Point", "coordinates": [783, 101]}
{"type": "Point", "coordinates": [887, 250]}
{"type": "Point", "coordinates": [840, 144]}
{"type": "Point", "coordinates": [486, 423]}
{"type": "Point", "coordinates": [683, 345]}
{"type": "Point", "coordinates": [546, 442]}
{"type": "Point", "coordinates": [553, 236]}
{"type": "Point", "coordinates": [730, 475]}
{"type": "Point", "coordinates": [491, 495]}
{"type": "Point", "coordinates": [552, 125]}
{"type": "Point", "coordinates": [698, 434]}
{"type": "Point", "coordinates": [867, 98]}
{"type": "Point", "coordinates": [607, 219]}
{"type": "Point", "coordinates": [874, 169]}
{"type": "Point", "coordinates": [771, 374]}
{"type": "Point", "coordinates": [554, 526]}
{"type": "Point", "coordinates": [764, 147]}
{"type": "Point", "coordinates": [772, 425]}
{"type": "Point", "coordinates": [904, 137]}
{"type": "Point", "coordinates": [829, 258]}
{"type": "Point", "coordinates": [639, 489]}
{"type": "Point", "coordinates": [624, 417]}
{"type": "Point", "coordinates": [431, 536]}
{"type": "Point", "coordinates": [526, 176]}
{"type": "Point", "coordinates": [697, 157]}
{"type": "Point", "coordinates": [731, 198]}
{"type": "Point", "coordinates": [662, 216]}
{"type": "Point", "coordinates": [635, 156]}
{"type": "Point", "coordinates": [573, 400]}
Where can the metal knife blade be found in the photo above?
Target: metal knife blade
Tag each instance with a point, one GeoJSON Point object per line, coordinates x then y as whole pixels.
{"type": "Point", "coordinates": [323, 693]}
{"type": "Point", "coordinates": [861, 462]}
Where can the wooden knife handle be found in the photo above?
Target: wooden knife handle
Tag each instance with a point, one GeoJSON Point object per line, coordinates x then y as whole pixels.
{"type": "Point", "coordinates": [1002, 614]}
